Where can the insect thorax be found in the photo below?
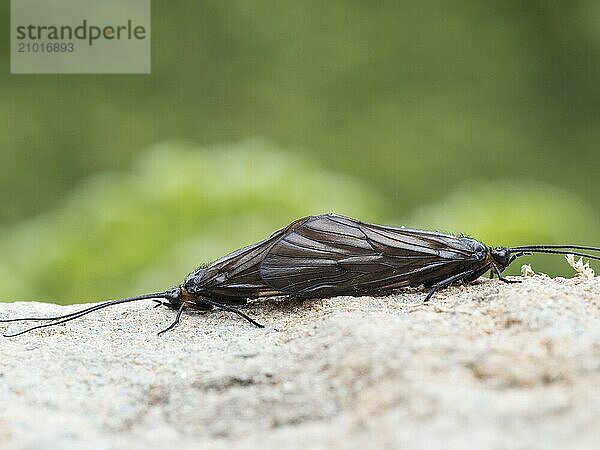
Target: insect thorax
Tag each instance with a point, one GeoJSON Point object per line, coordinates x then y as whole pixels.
{"type": "Point", "coordinates": [193, 281]}
{"type": "Point", "coordinates": [480, 251]}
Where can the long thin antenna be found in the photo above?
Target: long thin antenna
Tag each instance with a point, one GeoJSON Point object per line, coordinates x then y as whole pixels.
{"type": "Point", "coordinates": [520, 251]}
{"type": "Point", "coordinates": [75, 315]}
{"type": "Point", "coordinates": [546, 247]}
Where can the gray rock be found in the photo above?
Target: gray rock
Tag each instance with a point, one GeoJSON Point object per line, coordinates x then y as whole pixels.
{"type": "Point", "coordinates": [486, 365]}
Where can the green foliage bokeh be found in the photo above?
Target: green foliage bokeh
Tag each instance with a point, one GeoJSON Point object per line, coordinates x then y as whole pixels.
{"type": "Point", "coordinates": [124, 233]}
{"type": "Point", "coordinates": [145, 230]}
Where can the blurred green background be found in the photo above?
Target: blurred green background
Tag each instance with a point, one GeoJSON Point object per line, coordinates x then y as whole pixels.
{"type": "Point", "coordinates": [470, 117]}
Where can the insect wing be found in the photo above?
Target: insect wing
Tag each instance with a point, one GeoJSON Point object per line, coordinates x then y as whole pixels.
{"type": "Point", "coordinates": [334, 255]}
{"type": "Point", "coordinates": [237, 275]}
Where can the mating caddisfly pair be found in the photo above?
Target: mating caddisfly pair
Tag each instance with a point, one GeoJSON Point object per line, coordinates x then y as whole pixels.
{"type": "Point", "coordinates": [329, 255]}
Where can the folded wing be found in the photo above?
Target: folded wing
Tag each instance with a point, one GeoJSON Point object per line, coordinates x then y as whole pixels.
{"type": "Point", "coordinates": [333, 255]}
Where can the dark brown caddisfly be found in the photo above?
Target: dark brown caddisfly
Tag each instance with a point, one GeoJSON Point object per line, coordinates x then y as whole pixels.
{"type": "Point", "coordinates": [329, 255]}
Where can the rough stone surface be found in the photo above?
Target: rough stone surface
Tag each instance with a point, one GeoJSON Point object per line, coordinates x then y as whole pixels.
{"type": "Point", "coordinates": [486, 365]}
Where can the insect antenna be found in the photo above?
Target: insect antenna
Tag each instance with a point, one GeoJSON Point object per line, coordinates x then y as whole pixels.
{"type": "Point", "coordinates": [557, 247]}
{"type": "Point", "coordinates": [75, 315]}
{"type": "Point", "coordinates": [555, 250]}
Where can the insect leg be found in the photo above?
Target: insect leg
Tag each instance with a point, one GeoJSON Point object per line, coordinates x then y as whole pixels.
{"type": "Point", "coordinates": [501, 277]}
{"type": "Point", "coordinates": [233, 310]}
{"type": "Point", "coordinates": [447, 282]}
{"type": "Point", "coordinates": [176, 321]}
